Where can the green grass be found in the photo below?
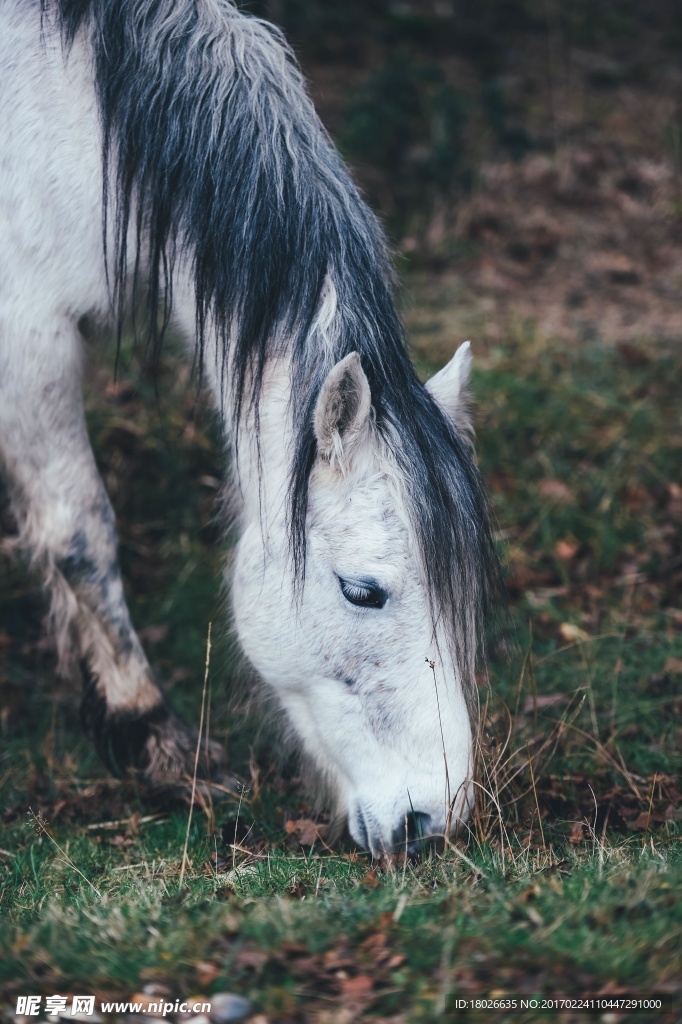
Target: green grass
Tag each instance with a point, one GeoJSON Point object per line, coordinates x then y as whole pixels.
{"type": "Point", "coordinates": [567, 884]}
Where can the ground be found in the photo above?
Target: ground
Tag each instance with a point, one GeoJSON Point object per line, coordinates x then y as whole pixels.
{"type": "Point", "coordinates": [563, 264]}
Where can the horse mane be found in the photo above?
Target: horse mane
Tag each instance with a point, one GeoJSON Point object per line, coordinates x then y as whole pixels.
{"type": "Point", "coordinates": [213, 154]}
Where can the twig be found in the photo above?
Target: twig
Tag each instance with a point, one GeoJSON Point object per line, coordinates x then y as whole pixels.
{"type": "Point", "coordinates": [235, 845]}
{"type": "Point", "coordinates": [455, 849]}
{"type": "Point", "coordinates": [208, 759]}
{"type": "Point", "coordinates": [432, 666]}
{"type": "Point", "coordinates": [196, 757]}
{"type": "Point", "coordinates": [159, 819]}
{"type": "Point", "coordinates": [651, 801]}
{"type": "Point", "coordinates": [41, 825]}
{"type": "Point", "coordinates": [535, 794]}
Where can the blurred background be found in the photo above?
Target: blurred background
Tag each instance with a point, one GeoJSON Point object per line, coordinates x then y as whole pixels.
{"type": "Point", "coordinates": [528, 150]}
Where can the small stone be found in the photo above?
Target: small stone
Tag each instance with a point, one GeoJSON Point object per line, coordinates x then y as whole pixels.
{"type": "Point", "coordinates": [153, 988]}
{"type": "Point", "coordinates": [196, 1010]}
{"type": "Point", "coordinates": [227, 1008]}
{"type": "Point", "coordinates": [93, 1018]}
{"type": "Point", "coordinates": [147, 1001]}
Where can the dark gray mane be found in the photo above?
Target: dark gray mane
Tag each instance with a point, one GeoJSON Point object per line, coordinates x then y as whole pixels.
{"type": "Point", "coordinates": [213, 153]}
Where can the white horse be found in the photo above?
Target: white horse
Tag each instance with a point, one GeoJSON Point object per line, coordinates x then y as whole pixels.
{"type": "Point", "coordinates": [170, 145]}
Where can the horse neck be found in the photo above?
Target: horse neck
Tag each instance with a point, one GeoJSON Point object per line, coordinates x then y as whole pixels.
{"type": "Point", "coordinates": [262, 451]}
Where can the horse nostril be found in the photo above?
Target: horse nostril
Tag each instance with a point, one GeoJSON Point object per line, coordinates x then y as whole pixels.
{"type": "Point", "coordinates": [411, 833]}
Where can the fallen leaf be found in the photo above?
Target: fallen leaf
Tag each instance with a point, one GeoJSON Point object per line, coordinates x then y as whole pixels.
{"type": "Point", "coordinates": [570, 633]}
{"type": "Point", "coordinates": [577, 833]}
{"type": "Point", "coordinates": [566, 550]}
{"type": "Point", "coordinates": [526, 895]}
{"type": "Point", "coordinates": [632, 354]}
{"type": "Point", "coordinates": [377, 940]}
{"type": "Point", "coordinates": [534, 917]}
{"type": "Point", "coordinates": [335, 959]}
{"type": "Point", "coordinates": [546, 701]}
{"type": "Point", "coordinates": [145, 1000]}
{"type": "Point", "coordinates": [206, 971]}
{"type": "Point", "coordinates": [305, 830]}
{"type": "Point", "coordinates": [152, 635]}
{"type": "Point", "coordinates": [673, 666]}
{"type": "Point", "coordinates": [557, 490]}
{"type": "Point", "coordinates": [251, 958]}
{"type": "Point", "coordinates": [121, 841]}
{"type": "Point", "coordinates": [358, 987]}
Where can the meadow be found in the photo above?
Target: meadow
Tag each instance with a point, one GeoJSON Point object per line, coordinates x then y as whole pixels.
{"type": "Point", "coordinates": [552, 239]}
{"type": "Point", "coordinates": [568, 881]}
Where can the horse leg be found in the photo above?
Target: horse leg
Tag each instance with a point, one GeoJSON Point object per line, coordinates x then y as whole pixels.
{"type": "Point", "coordinates": [66, 526]}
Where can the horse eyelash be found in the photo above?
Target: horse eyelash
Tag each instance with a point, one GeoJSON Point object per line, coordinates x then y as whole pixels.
{"type": "Point", "coordinates": [363, 594]}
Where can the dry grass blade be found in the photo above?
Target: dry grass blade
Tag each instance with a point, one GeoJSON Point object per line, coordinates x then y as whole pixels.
{"type": "Point", "coordinates": [196, 758]}
{"type": "Point", "coordinates": [40, 824]}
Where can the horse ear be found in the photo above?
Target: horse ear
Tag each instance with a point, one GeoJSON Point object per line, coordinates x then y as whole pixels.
{"type": "Point", "coordinates": [343, 410]}
{"type": "Point", "coordinates": [450, 389]}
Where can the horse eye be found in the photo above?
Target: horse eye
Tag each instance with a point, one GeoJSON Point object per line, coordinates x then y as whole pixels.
{"type": "Point", "coordinates": [363, 593]}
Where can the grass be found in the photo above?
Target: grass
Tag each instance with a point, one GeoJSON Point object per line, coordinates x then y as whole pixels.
{"type": "Point", "coordinates": [567, 882]}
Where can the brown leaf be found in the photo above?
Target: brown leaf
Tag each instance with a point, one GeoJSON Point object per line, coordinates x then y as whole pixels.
{"type": "Point", "coordinates": [356, 988]}
{"type": "Point", "coordinates": [571, 634]}
{"type": "Point", "coordinates": [305, 830]}
{"type": "Point", "coordinates": [255, 959]}
{"type": "Point", "coordinates": [526, 895]}
{"type": "Point", "coordinates": [152, 635]}
{"type": "Point", "coordinates": [377, 940]}
{"type": "Point", "coordinates": [632, 354]}
{"type": "Point", "coordinates": [146, 1000]}
{"type": "Point", "coordinates": [535, 917]}
{"type": "Point", "coordinates": [120, 840]}
{"type": "Point", "coordinates": [641, 822]}
{"type": "Point", "coordinates": [335, 959]}
{"type": "Point", "coordinates": [673, 666]}
{"type": "Point", "coordinates": [206, 971]}
{"type": "Point", "coordinates": [557, 490]}
{"type": "Point", "coordinates": [566, 550]}
{"type": "Point", "coordinates": [577, 833]}
{"type": "Point", "coordinates": [543, 701]}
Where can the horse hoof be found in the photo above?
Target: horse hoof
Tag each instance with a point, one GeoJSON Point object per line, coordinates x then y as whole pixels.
{"type": "Point", "coordinates": [159, 750]}
{"type": "Point", "coordinates": [171, 769]}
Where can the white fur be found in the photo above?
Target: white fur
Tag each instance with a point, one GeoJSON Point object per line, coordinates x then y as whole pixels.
{"type": "Point", "coordinates": [450, 388]}
{"type": "Point", "coordinates": [377, 742]}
